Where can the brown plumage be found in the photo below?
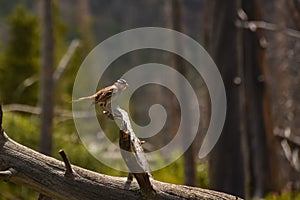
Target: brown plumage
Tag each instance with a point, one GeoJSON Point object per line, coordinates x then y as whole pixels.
{"type": "Point", "coordinates": [104, 96]}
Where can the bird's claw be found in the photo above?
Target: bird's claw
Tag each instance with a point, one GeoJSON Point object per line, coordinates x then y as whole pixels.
{"type": "Point", "coordinates": [108, 114]}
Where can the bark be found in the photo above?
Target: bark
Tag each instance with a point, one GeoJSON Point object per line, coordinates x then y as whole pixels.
{"type": "Point", "coordinates": [133, 154]}
{"type": "Point", "coordinates": [258, 140]}
{"type": "Point", "coordinates": [46, 89]}
{"type": "Point", "coordinates": [283, 61]}
{"type": "Point", "coordinates": [265, 174]}
{"type": "Point", "coordinates": [226, 168]}
{"type": "Point", "coordinates": [49, 176]}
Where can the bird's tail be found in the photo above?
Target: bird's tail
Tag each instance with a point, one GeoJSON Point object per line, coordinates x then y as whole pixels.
{"type": "Point", "coordinates": [84, 98]}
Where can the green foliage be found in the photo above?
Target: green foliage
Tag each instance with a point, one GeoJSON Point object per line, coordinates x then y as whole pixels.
{"type": "Point", "coordinates": [173, 173]}
{"type": "Point", "coordinates": [20, 63]}
{"type": "Point", "coordinates": [23, 129]}
{"type": "Point", "coordinates": [202, 175]}
{"type": "Point", "coordinates": [284, 196]}
{"type": "Point", "coordinates": [10, 191]}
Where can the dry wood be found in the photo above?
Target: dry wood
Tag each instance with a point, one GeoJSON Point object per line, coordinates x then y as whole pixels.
{"type": "Point", "coordinates": [254, 25]}
{"type": "Point", "coordinates": [46, 175]}
{"type": "Point", "coordinates": [68, 166]}
{"type": "Point", "coordinates": [291, 138]}
{"type": "Point", "coordinates": [62, 181]}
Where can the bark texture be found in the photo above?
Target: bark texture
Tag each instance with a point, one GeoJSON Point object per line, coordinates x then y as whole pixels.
{"type": "Point", "coordinates": [21, 165]}
{"type": "Point", "coordinates": [226, 164]}
{"type": "Point", "coordinates": [46, 88]}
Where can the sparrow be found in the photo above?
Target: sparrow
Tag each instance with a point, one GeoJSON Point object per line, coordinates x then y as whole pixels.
{"type": "Point", "coordinates": [106, 95]}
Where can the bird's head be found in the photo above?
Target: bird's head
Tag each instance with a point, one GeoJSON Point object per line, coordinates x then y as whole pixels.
{"type": "Point", "coordinates": [121, 84]}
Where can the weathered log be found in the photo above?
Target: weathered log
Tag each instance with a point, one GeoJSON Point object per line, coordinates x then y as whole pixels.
{"type": "Point", "coordinates": [61, 180]}
{"type": "Point", "coordinates": [22, 165]}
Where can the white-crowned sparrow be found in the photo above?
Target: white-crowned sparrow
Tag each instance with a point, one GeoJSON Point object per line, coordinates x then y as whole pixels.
{"type": "Point", "coordinates": [106, 95]}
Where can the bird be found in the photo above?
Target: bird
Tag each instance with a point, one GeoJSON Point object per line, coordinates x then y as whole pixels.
{"type": "Point", "coordinates": [106, 95]}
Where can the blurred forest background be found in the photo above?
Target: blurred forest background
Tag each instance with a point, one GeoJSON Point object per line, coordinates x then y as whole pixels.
{"type": "Point", "coordinates": [255, 44]}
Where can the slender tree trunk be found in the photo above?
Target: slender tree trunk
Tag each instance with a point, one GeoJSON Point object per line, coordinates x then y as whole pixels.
{"type": "Point", "coordinates": [226, 169]}
{"type": "Point", "coordinates": [253, 80]}
{"type": "Point", "coordinates": [176, 9]}
{"type": "Point", "coordinates": [46, 88]}
{"type": "Point", "coordinates": [240, 56]}
{"type": "Point", "coordinates": [240, 82]}
{"type": "Point", "coordinates": [263, 177]}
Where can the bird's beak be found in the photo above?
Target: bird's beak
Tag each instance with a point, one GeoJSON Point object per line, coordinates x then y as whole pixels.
{"type": "Point", "coordinates": [126, 85]}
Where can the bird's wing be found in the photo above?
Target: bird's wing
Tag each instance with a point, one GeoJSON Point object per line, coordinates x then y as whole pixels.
{"type": "Point", "coordinates": [105, 94]}
{"type": "Point", "coordinates": [102, 95]}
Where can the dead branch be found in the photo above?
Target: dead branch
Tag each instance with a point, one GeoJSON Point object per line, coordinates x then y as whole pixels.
{"type": "Point", "coordinates": [46, 175]}
{"type": "Point", "coordinates": [290, 138]}
{"type": "Point", "coordinates": [63, 63]}
{"type": "Point", "coordinates": [37, 111]}
{"type": "Point", "coordinates": [254, 25]}
{"type": "Point", "coordinates": [131, 144]}
{"type": "Point", "coordinates": [7, 174]}
{"type": "Point", "coordinates": [63, 155]}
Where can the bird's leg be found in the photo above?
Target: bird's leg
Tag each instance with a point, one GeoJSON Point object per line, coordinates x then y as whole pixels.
{"type": "Point", "coordinates": [110, 116]}
{"type": "Point", "coordinates": [107, 112]}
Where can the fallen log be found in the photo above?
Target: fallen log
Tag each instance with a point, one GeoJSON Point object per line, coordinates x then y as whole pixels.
{"type": "Point", "coordinates": [61, 180]}
{"type": "Point", "coordinates": [22, 165]}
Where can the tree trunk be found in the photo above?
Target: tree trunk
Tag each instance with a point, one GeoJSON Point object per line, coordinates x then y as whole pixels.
{"type": "Point", "coordinates": [176, 9]}
{"type": "Point", "coordinates": [226, 169]}
{"type": "Point", "coordinates": [264, 173]}
{"type": "Point", "coordinates": [282, 56]}
{"type": "Point", "coordinates": [46, 88]}
{"type": "Point", "coordinates": [240, 55]}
